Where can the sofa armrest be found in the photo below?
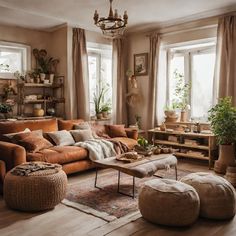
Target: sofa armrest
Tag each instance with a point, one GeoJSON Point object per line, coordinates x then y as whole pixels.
{"type": "Point", "coordinates": [131, 133]}
{"type": "Point", "coordinates": [12, 154]}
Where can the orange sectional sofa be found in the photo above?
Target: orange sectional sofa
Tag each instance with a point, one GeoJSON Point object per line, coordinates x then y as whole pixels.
{"type": "Point", "coordinates": [72, 158]}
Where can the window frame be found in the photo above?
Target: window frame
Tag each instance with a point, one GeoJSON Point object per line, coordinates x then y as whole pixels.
{"type": "Point", "coordinates": [25, 51]}
{"type": "Point", "coordinates": [188, 65]}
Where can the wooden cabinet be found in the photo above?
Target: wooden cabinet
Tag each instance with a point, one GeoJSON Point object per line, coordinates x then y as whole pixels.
{"type": "Point", "coordinates": [48, 95]}
{"type": "Point", "coordinates": [190, 145]}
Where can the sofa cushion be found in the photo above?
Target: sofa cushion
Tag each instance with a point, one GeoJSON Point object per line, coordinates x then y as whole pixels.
{"type": "Point", "coordinates": [47, 125]}
{"type": "Point", "coordinates": [99, 130]}
{"type": "Point", "coordinates": [58, 154]}
{"type": "Point", "coordinates": [68, 124]}
{"type": "Point", "coordinates": [62, 138]}
{"type": "Point", "coordinates": [32, 141]}
{"type": "Point", "coordinates": [130, 143]}
{"type": "Point", "coordinates": [116, 131]}
{"type": "Point", "coordinates": [82, 125]}
{"type": "Point", "coordinates": [82, 135]}
{"type": "Point", "coordinates": [9, 137]}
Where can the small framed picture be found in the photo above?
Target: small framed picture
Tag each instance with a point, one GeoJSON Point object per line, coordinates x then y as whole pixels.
{"type": "Point", "coordinates": [141, 64]}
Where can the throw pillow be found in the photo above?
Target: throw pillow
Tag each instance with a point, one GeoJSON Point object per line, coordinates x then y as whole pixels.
{"type": "Point", "coordinates": [9, 137]}
{"type": "Point", "coordinates": [82, 135]}
{"type": "Point", "coordinates": [32, 141]}
{"type": "Point", "coordinates": [116, 130]}
{"type": "Point", "coordinates": [61, 138]}
{"type": "Point", "coordinates": [82, 125]}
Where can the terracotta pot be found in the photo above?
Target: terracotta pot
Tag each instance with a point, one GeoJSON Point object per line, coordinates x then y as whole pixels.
{"type": "Point", "coordinates": [183, 116]}
{"type": "Point", "coordinates": [105, 114]}
{"type": "Point", "coordinates": [226, 158]}
{"type": "Point", "coordinates": [99, 116]}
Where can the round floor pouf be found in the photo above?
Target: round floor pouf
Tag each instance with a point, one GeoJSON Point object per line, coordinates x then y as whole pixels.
{"type": "Point", "coordinates": [169, 202]}
{"type": "Point", "coordinates": [38, 190]}
{"type": "Point", "coordinates": [217, 195]}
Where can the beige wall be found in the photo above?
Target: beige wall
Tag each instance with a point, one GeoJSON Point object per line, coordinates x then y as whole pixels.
{"type": "Point", "coordinates": [139, 43]}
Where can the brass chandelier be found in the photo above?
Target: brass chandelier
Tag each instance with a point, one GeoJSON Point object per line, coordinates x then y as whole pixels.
{"type": "Point", "coordinates": [112, 26]}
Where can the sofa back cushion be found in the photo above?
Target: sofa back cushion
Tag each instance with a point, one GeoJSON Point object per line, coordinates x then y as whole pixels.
{"type": "Point", "coordinates": [47, 125]}
{"type": "Point", "coordinates": [116, 130]}
{"type": "Point", "coordinates": [68, 124]}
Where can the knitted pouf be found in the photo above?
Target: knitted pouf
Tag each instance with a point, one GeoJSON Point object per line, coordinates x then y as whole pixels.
{"type": "Point", "coordinates": [217, 195]}
{"type": "Point", "coordinates": [169, 202]}
{"type": "Point", "coordinates": [40, 190]}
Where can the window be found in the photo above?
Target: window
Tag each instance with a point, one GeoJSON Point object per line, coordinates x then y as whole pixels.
{"type": "Point", "coordinates": [16, 56]}
{"type": "Point", "coordinates": [195, 65]}
{"type": "Point", "coordinates": [100, 73]}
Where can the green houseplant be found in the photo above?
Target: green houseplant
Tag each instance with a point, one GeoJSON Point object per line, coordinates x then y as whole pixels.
{"type": "Point", "coordinates": [97, 100]}
{"type": "Point", "coordinates": [223, 123]}
{"type": "Point", "coordinates": [44, 63]}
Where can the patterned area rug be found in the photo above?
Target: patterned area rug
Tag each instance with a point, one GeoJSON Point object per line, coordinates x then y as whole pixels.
{"type": "Point", "coordinates": [106, 203]}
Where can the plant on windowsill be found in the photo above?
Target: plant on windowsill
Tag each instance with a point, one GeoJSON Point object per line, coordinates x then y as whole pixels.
{"type": "Point", "coordinates": [181, 94]}
{"type": "Point", "coordinates": [105, 109]}
{"type": "Point", "coordinates": [223, 124]}
{"type": "Point", "coordinates": [97, 100]}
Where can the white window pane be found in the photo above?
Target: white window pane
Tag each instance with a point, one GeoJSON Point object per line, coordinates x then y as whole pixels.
{"type": "Point", "coordinates": [202, 84]}
{"type": "Point", "coordinates": [176, 66]}
{"type": "Point", "coordinates": [11, 58]}
{"type": "Point", "coordinates": [93, 76]}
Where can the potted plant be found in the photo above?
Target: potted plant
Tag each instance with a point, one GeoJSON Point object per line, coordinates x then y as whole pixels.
{"type": "Point", "coordinates": [5, 109]}
{"type": "Point", "coordinates": [44, 63]}
{"type": "Point", "coordinates": [105, 109]}
{"type": "Point", "coordinates": [97, 99]}
{"type": "Point", "coordinates": [223, 123]}
{"type": "Point", "coordinates": [181, 94]}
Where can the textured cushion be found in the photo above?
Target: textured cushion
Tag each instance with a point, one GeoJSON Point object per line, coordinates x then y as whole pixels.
{"type": "Point", "coordinates": [130, 143]}
{"type": "Point", "coordinates": [82, 135]}
{"type": "Point", "coordinates": [68, 124]}
{"type": "Point", "coordinates": [116, 131]}
{"type": "Point", "coordinates": [32, 141]}
{"type": "Point", "coordinates": [62, 138]}
{"type": "Point", "coordinates": [59, 154]}
{"type": "Point", "coordinates": [82, 125]}
{"type": "Point", "coordinates": [216, 194]}
{"type": "Point", "coordinates": [169, 202]}
{"type": "Point", "coordinates": [99, 131]}
{"type": "Point", "coordinates": [11, 135]}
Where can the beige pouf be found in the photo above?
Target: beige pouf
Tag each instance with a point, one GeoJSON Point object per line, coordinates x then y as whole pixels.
{"type": "Point", "coordinates": [35, 191]}
{"type": "Point", "coordinates": [169, 202]}
{"type": "Point", "coordinates": [217, 195]}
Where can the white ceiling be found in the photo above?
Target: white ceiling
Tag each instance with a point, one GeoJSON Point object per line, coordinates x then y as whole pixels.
{"type": "Point", "coordinates": [143, 14]}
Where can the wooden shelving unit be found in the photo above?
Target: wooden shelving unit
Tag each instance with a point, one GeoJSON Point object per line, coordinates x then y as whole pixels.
{"type": "Point", "coordinates": [187, 145]}
{"type": "Point", "coordinates": [52, 94]}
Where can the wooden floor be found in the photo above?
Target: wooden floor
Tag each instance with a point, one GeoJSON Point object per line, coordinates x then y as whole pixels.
{"type": "Point", "coordinates": [64, 220]}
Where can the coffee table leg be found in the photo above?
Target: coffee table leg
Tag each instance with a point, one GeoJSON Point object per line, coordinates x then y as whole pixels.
{"type": "Point", "coordinates": [126, 194]}
{"type": "Point", "coordinates": [176, 173]}
{"type": "Point", "coordinates": [96, 177]}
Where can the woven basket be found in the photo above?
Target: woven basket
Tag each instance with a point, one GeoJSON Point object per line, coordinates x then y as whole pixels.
{"type": "Point", "coordinates": [41, 191]}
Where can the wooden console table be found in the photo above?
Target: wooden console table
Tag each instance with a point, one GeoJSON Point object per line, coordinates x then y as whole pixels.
{"type": "Point", "coordinates": [190, 145]}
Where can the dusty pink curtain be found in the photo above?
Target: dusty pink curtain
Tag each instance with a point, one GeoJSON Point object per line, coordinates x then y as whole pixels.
{"type": "Point", "coordinates": [119, 83]}
{"type": "Point", "coordinates": [80, 87]}
{"type": "Point", "coordinates": [152, 120]}
{"type": "Point", "coordinates": [225, 71]}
